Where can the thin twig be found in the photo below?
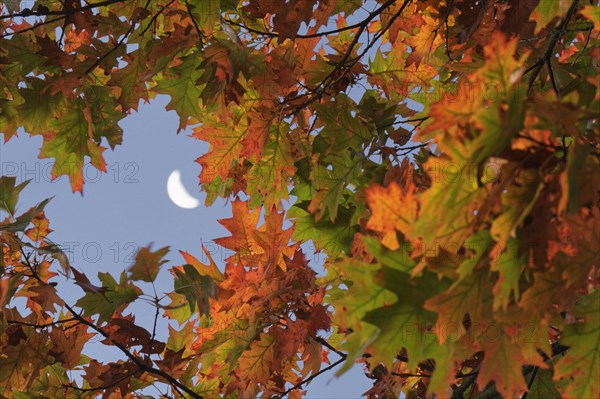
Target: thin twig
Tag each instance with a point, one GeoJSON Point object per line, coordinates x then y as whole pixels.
{"type": "Point", "coordinates": [365, 23]}
{"type": "Point", "coordinates": [196, 26]}
{"type": "Point", "coordinates": [540, 143]}
{"type": "Point", "coordinates": [37, 25]}
{"type": "Point", "coordinates": [530, 383]}
{"type": "Point", "coordinates": [156, 300]}
{"type": "Point", "coordinates": [345, 63]}
{"type": "Point", "coordinates": [422, 119]}
{"type": "Point", "coordinates": [585, 44]}
{"type": "Point", "coordinates": [119, 44]}
{"type": "Point", "coordinates": [138, 362]}
{"type": "Point", "coordinates": [410, 375]}
{"type": "Point", "coordinates": [143, 365]}
{"type": "Point", "coordinates": [307, 36]}
{"type": "Point", "coordinates": [155, 16]}
{"type": "Point", "coordinates": [408, 150]}
{"type": "Point", "coordinates": [465, 384]}
{"type": "Point", "coordinates": [552, 78]}
{"type": "Point", "coordinates": [45, 325]}
{"type": "Point", "coordinates": [103, 387]}
{"type": "Point", "coordinates": [313, 376]}
{"type": "Point", "coordinates": [556, 37]}
{"type": "Point", "coordinates": [113, 49]}
{"type": "Point", "coordinates": [329, 346]}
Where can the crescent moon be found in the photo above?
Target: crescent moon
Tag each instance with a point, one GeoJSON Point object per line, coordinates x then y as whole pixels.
{"type": "Point", "coordinates": [178, 193]}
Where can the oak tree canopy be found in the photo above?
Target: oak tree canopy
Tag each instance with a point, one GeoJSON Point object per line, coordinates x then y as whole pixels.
{"type": "Point", "coordinates": [445, 156]}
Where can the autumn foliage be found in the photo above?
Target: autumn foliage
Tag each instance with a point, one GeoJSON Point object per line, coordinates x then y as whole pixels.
{"type": "Point", "coordinates": [445, 156]}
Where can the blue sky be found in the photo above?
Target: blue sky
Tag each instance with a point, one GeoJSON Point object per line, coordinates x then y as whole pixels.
{"type": "Point", "coordinates": [128, 207]}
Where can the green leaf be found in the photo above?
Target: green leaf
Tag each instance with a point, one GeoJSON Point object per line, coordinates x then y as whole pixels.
{"type": "Point", "coordinates": [9, 193]}
{"type": "Point", "coordinates": [13, 6]}
{"type": "Point", "coordinates": [363, 295]}
{"type": "Point", "coordinates": [210, 269]}
{"type": "Point", "coordinates": [69, 142]}
{"type": "Point", "coordinates": [542, 386]}
{"type": "Point", "coordinates": [111, 298]}
{"type": "Point", "coordinates": [341, 128]}
{"type": "Point", "coordinates": [147, 264]}
{"type": "Point", "coordinates": [403, 324]}
{"type": "Point", "coordinates": [180, 83]}
{"type": "Point", "coordinates": [508, 265]}
{"type": "Point", "coordinates": [23, 53]}
{"type": "Point", "coordinates": [582, 360]}
{"type": "Point", "coordinates": [195, 287]}
{"type": "Point", "coordinates": [22, 362]}
{"type": "Point", "coordinates": [399, 260]}
{"type": "Point", "coordinates": [39, 107]}
{"type": "Point", "coordinates": [472, 296]}
{"type": "Point", "coordinates": [104, 114]}
{"type": "Point", "coordinates": [206, 13]}
{"type": "Point", "coordinates": [517, 201]}
{"type": "Point", "coordinates": [131, 79]}
{"type": "Point", "coordinates": [387, 71]}
{"type": "Point", "coordinates": [22, 221]}
{"type": "Point", "coordinates": [331, 177]}
{"type": "Point", "coordinates": [548, 10]}
{"type": "Point", "coordinates": [228, 344]}
{"type": "Point", "coordinates": [8, 287]}
{"type": "Point", "coordinates": [268, 179]}
{"type": "Point", "coordinates": [333, 238]}
{"type": "Point", "coordinates": [54, 250]}
{"type": "Point", "coordinates": [480, 243]}
{"type": "Point", "coordinates": [454, 189]}
{"type": "Point", "coordinates": [592, 12]}
{"type": "Point", "coordinates": [255, 363]}
{"type": "Point", "coordinates": [182, 339]}
{"type": "Point", "coordinates": [577, 161]}
{"type": "Point", "coordinates": [178, 309]}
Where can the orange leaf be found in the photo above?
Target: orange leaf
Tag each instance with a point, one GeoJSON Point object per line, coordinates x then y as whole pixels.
{"type": "Point", "coordinates": [393, 209]}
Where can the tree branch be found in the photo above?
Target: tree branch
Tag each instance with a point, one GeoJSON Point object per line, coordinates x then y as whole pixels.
{"type": "Point", "coordinates": [323, 342]}
{"type": "Point", "coordinates": [122, 40]}
{"type": "Point", "coordinates": [65, 12]}
{"type": "Point", "coordinates": [552, 78]}
{"type": "Point", "coordinates": [343, 63]}
{"type": "Point", "coordinates": [530, 383]}
{"type": "Point", "coordinates": [46, 325]}
{"type": "Point", "coordinates": [307, 36]}
{"type": "Point", "coordinates": [465, 384]}
{"type": "Point", "coordinates": [37, 25]}
{"type": "Point", "coordinates": [196, 26]}
{"type": "Point", "coordinates": [363, 27]}
{"type": "Point", "coordinates": [410, 375]}
{"type": "Point", "coordinates": [103, 387]}
{"type": "Point", "coordinates": [141, 364]}
{"type": "Point", "coordinates": [556, 37]}
{"type": "Point", "coordinates": [313, 376]}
